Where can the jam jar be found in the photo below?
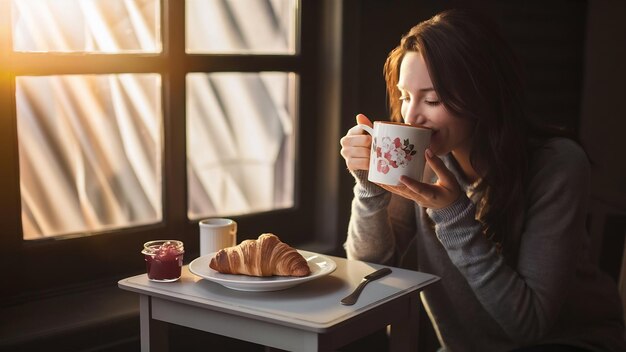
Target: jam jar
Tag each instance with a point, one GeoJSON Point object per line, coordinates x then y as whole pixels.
{"type": "Point", "coordinates": [164, 259]}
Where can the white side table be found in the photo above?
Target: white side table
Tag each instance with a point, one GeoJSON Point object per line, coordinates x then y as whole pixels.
{"type": "Point", "coordinates": [307, 317]}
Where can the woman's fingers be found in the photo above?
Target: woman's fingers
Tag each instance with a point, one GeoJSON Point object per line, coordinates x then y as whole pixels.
{"type": "Point", "coordinates": [436, 196]}
{"type": "Point", "coordinates": [355, 151]}
{"type": "Point", "coordinates": [392, 189]}
{"type": "Point", "coordinates": [355, 145]}
{"type": "Point", "coordinates": [357, 164]}
{"type": "Point", "coordinates": [401, 190]}
{"type": "Point", "coordinates": [360, 118]}
{"type": "Point", "coordinates": [357, 130]}
{"type": "Point", "coordinates": [446, 178]}
{"type": "Point", "coordinates": [357, 158]}
{"type": "Point", "coordinates": [423, 190]}
{"type": "Point", "coordinates": [358, 140]}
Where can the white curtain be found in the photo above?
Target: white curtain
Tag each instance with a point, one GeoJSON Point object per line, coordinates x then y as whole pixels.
{"type": "Point", "coordinates": [90, 146]}
{"type": "Point", "coordinates": [90, 152]}
{"type": "Point", "coordinates": [241, 27]}
{"type": "Point", "coordinates": [96, 26]}
{"type": "Point", "coordinates": [240, 130]}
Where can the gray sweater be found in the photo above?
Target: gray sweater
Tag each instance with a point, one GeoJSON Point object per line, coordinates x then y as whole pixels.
{"type": "Point", "coordinates": [554, 294]}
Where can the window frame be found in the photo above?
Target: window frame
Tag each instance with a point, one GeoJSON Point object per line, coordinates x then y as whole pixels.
{"type": "Point", "coordinates": [52, 264]}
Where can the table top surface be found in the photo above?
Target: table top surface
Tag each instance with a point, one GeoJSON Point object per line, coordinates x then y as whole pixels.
{"type": "Point", "coordinates": [314, 304]}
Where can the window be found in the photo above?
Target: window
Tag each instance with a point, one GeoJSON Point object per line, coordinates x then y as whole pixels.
{"type": "Point", "coordinates": [123, 121]}
{"type": "Point", "coordinates": [89, 152]}
{"type": "Point", "coordinates": [240, 131]}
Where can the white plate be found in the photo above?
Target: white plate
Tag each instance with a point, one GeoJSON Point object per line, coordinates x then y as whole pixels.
{"type": "Point", "coordinates": [320, 265]}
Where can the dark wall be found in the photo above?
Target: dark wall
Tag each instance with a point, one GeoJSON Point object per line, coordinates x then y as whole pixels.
{"type": "Point", "coordinates": [603, 122]}
{"type": "Point", "coordinates": [378, 29]}
{"type": "Point", "coordinates": [603, 110]}
{"type": "Point", "coordinates": [547, 36]}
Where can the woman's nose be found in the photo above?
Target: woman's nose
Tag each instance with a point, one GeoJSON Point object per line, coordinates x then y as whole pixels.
{"type": "Point", "coordinates": [414, 116]}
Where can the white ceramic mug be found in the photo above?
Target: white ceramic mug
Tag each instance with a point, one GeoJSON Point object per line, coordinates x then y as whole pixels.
{"type": "Point", "coordinates": [217, 233]}
{"type": "Point", "coordinates": [397, 149]}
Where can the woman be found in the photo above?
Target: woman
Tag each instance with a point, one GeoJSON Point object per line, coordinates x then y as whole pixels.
{"type": "Point", "coordinates": [501, 215]}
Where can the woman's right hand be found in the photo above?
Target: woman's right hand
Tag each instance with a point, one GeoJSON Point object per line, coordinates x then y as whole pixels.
{"type": "Point", "coordinates": [356, 144]}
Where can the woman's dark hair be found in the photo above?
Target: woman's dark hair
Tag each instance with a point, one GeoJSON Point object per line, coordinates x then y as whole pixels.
{"type": "Point", "coordinates": [476, 76]}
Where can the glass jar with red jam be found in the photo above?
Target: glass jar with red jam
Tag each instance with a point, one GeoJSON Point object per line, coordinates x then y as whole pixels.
{"type": "Point", "coordinates": [164, 259]}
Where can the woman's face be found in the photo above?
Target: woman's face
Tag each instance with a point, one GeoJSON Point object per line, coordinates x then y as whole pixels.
{"type": "Point", "coordinates": [421, 106]}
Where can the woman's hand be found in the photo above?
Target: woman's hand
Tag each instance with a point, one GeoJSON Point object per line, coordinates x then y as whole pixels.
{"type": "Point", "coordinates": [356, 144]}
{"type": "Point", "coordinates": [436, 196]}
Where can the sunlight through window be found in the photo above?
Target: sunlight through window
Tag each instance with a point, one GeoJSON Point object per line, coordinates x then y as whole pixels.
{"type": "Point", "coordinates": [240, 142]}
{"type": "Point", "coordinates": [89, 26]}
{"type": "Point", "coordinates": [90, 152]}
{"type": "Point", "coordinates": [241, 27]}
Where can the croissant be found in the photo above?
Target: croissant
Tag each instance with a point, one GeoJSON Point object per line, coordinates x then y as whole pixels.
{"type": "Point", "coordinates": [265, 256]}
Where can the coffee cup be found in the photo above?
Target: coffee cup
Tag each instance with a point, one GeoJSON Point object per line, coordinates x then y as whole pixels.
{"type": "Point", "coordinates": [397, 149]}
{"type": "Point", "coordinates": [216, 234]}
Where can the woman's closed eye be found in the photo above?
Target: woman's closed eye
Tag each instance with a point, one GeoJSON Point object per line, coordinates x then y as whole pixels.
{"type": "Point", "coordinates": [431, 102]}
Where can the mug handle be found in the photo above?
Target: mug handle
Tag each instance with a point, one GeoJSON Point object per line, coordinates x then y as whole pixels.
{"type": "Point", "coordinates": [233, 230]}
{"type": "Point", "coordinates": [366, 128]}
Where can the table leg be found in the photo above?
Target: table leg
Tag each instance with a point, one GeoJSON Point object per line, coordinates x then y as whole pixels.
{"type": "Point", "coordinates": [154, 333]}
{"type": "Point", "coordinates": [321, 345]}
{"type": "Point", "coordinates": [404, 333]}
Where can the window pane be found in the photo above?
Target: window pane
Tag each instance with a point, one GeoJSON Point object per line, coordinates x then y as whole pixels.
{"type": "Point", "coordinates": [241, 27]}
{"type": "Point", "coordinates": [89, 152]}
{"type": "Point", "coordinates": [92, 26]}
{"type": "Point", "coordinates": [240, 142]}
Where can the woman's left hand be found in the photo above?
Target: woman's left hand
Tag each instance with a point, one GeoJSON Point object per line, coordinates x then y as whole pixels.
{"type": "Point", "coordinates": [437, 195]}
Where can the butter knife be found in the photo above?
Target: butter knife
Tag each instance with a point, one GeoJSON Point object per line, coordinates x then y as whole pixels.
{"type": "Point", "coordinates": [354, 296]}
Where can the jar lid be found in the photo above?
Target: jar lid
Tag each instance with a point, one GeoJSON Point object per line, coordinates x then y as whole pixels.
{"type": "Point", "coordinates": [158, 246]}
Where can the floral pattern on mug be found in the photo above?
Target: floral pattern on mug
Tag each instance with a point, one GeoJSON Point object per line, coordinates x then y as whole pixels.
{"type": "Point", "coordinates": [392, 153]}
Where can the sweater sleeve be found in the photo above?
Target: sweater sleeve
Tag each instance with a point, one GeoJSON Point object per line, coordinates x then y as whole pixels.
{"type": "Point", "coordinates": [379, 223]}
{"type": "Point", "coordinates": [526, 299]}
